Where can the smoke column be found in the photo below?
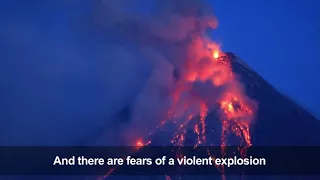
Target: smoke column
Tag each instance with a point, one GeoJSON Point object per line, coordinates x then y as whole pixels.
{"type": "Point", "coordinates": [81, 62]}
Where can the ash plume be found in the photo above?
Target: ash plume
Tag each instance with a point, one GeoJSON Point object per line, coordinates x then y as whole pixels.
{"type": "Point", "coordinates": [99, 56]}
{"type": "Point", "coordinates": [172, 36]}
{"type": "Point", "coordinates": [163, 32]}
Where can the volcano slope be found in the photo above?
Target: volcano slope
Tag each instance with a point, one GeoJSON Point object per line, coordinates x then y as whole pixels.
{"type": "Point", "coordinates": [279, 120]}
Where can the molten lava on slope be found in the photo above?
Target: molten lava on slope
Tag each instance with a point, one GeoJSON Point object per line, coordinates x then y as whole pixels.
{"type": "Point", "coordinates": [235, 109]}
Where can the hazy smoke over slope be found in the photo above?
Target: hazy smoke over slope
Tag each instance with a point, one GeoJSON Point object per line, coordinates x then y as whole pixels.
{"type": "Point", "coordinates": [80, 62]}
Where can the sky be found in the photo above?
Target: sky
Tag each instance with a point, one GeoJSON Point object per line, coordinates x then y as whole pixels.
{"type": "Point", "coordinates": [56, 75]}
{"type": "Point", "coordinates": [280, 39]}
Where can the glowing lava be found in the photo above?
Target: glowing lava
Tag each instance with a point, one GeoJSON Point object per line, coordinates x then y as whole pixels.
{"type": "Point", "coordinates": [139, 143]}
{"type": "Point", "coordinates": [216, 54]}
{"type": "Point", "coordinates": [236, 114]}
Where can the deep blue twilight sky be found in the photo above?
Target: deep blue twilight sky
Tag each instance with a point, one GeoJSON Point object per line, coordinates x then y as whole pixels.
{"type": "Point", "coordinates": [60, 81]}
{"type": "Point", "coordinates": [280, 39]}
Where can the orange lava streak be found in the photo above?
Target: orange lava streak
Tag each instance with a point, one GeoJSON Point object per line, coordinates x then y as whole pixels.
{"type": "Point", "coordinates": [246, 134]}
{"type": "Point", "coordinates": [197, 131]}
{"type": "Point", "coordinates": [237, 111]}
{"type": "Point", "coordinates": [203, 115]}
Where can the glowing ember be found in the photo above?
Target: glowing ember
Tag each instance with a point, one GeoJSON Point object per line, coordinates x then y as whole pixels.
{"type": "Point", "coordinates": [139, 143]}
{"type": "Point", "coordinates": [216, 54]}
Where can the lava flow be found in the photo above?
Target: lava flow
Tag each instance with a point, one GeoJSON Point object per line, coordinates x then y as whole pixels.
{"type": "Point", "coordinates": [211, 65]}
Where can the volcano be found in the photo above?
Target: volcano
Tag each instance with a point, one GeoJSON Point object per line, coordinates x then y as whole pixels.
{"type": "Point", "coordinates": [279, 121]}
{"type": "Point", "coordinates": [196, 93]}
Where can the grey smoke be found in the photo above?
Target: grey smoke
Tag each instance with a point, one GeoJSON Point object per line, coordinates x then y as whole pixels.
{"type": "Point", "coordinates": [67, 67]}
